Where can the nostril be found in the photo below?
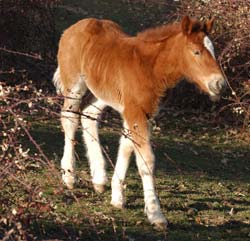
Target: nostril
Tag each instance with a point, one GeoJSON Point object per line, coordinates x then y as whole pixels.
{"type": "Point", "coordinates": [218, 85]}
{"type": "Point", "coordinates": [221, 84]}
{"type": "Point", "coordinates": [213, 86]}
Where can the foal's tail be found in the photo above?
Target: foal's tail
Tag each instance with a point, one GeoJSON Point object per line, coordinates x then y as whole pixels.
{"type": "Point", "coordinates": [58, 82]}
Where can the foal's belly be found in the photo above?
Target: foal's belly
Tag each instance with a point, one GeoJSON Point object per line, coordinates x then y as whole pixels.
{"type": "Point", "coordinates": [108, 98]}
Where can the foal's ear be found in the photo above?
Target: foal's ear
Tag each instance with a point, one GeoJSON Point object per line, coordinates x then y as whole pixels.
{"type": "Point", "coordinates": [208, 25]}
{"type": "Point", "coordinates": [186, 25]}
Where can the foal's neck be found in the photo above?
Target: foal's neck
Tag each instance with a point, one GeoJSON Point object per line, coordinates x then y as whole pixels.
{"type": "Point", "coordinates": [167, 62]}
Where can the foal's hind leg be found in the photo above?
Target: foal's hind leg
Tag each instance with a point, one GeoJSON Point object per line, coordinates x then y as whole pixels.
{"type": "Point", "coordinates": [70, 120]}
{"type": "Point", "coordinates": [89, 121]}
{"type": "Point", "coordinates": [122, 163]}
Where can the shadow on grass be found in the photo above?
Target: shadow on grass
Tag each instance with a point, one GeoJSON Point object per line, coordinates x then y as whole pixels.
{"type": "Point", "coordinates": [185, 158]}
{"type": "Point", "coordinates": [48, 229]}
{"type": "Point", "coordinates": [187, 186]}
{"type": "Point", "coordinates": [230, 200]}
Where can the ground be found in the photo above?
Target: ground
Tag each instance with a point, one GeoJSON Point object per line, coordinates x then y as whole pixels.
{"type": "Point", "coordinates": [202, 179]}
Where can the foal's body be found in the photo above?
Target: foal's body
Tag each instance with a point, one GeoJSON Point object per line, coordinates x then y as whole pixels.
{"type": "Point", "coordinates": [112, 64]}
{"type": "Point", "coordinates": [129, 74]}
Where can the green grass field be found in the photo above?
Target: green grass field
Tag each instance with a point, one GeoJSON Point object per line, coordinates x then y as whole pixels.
{"type": "Point", "coordinates": [202, 179]}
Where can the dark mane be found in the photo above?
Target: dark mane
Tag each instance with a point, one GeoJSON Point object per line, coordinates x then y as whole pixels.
{"type": "Point", "coordinates": [159, 33]}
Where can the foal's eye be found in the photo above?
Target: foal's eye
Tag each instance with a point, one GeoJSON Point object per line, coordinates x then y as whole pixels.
{"type": "Point", "coordinates": [197, 52]}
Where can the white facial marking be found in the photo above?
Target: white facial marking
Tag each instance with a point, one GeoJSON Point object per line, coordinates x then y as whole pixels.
{"type": "Point", "coordinates": [209, 45]}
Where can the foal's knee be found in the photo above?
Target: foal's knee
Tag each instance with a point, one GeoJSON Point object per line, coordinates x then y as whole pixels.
{"type": "Point", "coordinates": [145, 162]}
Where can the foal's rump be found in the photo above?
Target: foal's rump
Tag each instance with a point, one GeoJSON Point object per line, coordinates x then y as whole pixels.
{"type": "Point", "coordinates": [85, 52]}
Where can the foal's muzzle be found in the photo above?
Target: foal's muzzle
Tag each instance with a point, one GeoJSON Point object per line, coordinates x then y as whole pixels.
{"type": "Point", "coordinates": [216, 88]}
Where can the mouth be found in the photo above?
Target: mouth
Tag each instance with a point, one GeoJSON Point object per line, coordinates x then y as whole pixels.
{"type": "Point", "coordinates": [214, 96]}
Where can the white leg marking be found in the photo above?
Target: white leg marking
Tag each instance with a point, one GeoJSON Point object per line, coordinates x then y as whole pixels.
{"type": "Point", "coordinates": [125, 150]}
{"type": "Point", "coordinates": [70, 121]}
{"type": "Point", "coordinates": [90, 134]}
{"type": "Point", "coordinates": [145, 161]}
{"type": "Point", "coordinates": [209, 45]}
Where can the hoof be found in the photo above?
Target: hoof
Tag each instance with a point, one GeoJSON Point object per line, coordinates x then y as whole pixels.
{"type": "Point", "coordinates": [68, 181]}
{"type": "Point", "coordinates": [161, 226]}
{"type": "Point", "coordinates": [155, 216]}
{"type": "Point", "coordinates": [99, 188]}
{"type": "Point", "coordinates": [118, 205]}
{"type": "Point", "coordinates": [70, 186]}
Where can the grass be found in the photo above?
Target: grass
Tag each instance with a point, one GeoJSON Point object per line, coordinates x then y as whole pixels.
{"type": "Point", "coordinates": [203, 197]}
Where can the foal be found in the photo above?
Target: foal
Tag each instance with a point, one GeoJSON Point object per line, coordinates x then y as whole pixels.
{"type": "Point", "coordinates": [129, 74]}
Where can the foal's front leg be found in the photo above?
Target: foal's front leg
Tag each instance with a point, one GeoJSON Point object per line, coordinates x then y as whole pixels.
{"type": "Point", "coordinates": [145, 161]}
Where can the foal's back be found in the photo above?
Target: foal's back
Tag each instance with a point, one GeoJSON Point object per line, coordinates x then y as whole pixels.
{"type": "Point", "coordinates": [87, 46]}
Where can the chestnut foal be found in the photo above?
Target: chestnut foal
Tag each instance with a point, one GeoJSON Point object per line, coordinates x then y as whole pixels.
{"type": "Point", "coordinates": [129, 74]}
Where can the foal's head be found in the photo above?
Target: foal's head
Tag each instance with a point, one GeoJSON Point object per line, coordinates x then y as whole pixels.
{"type": "Point", "coordinates": [199, 64]}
